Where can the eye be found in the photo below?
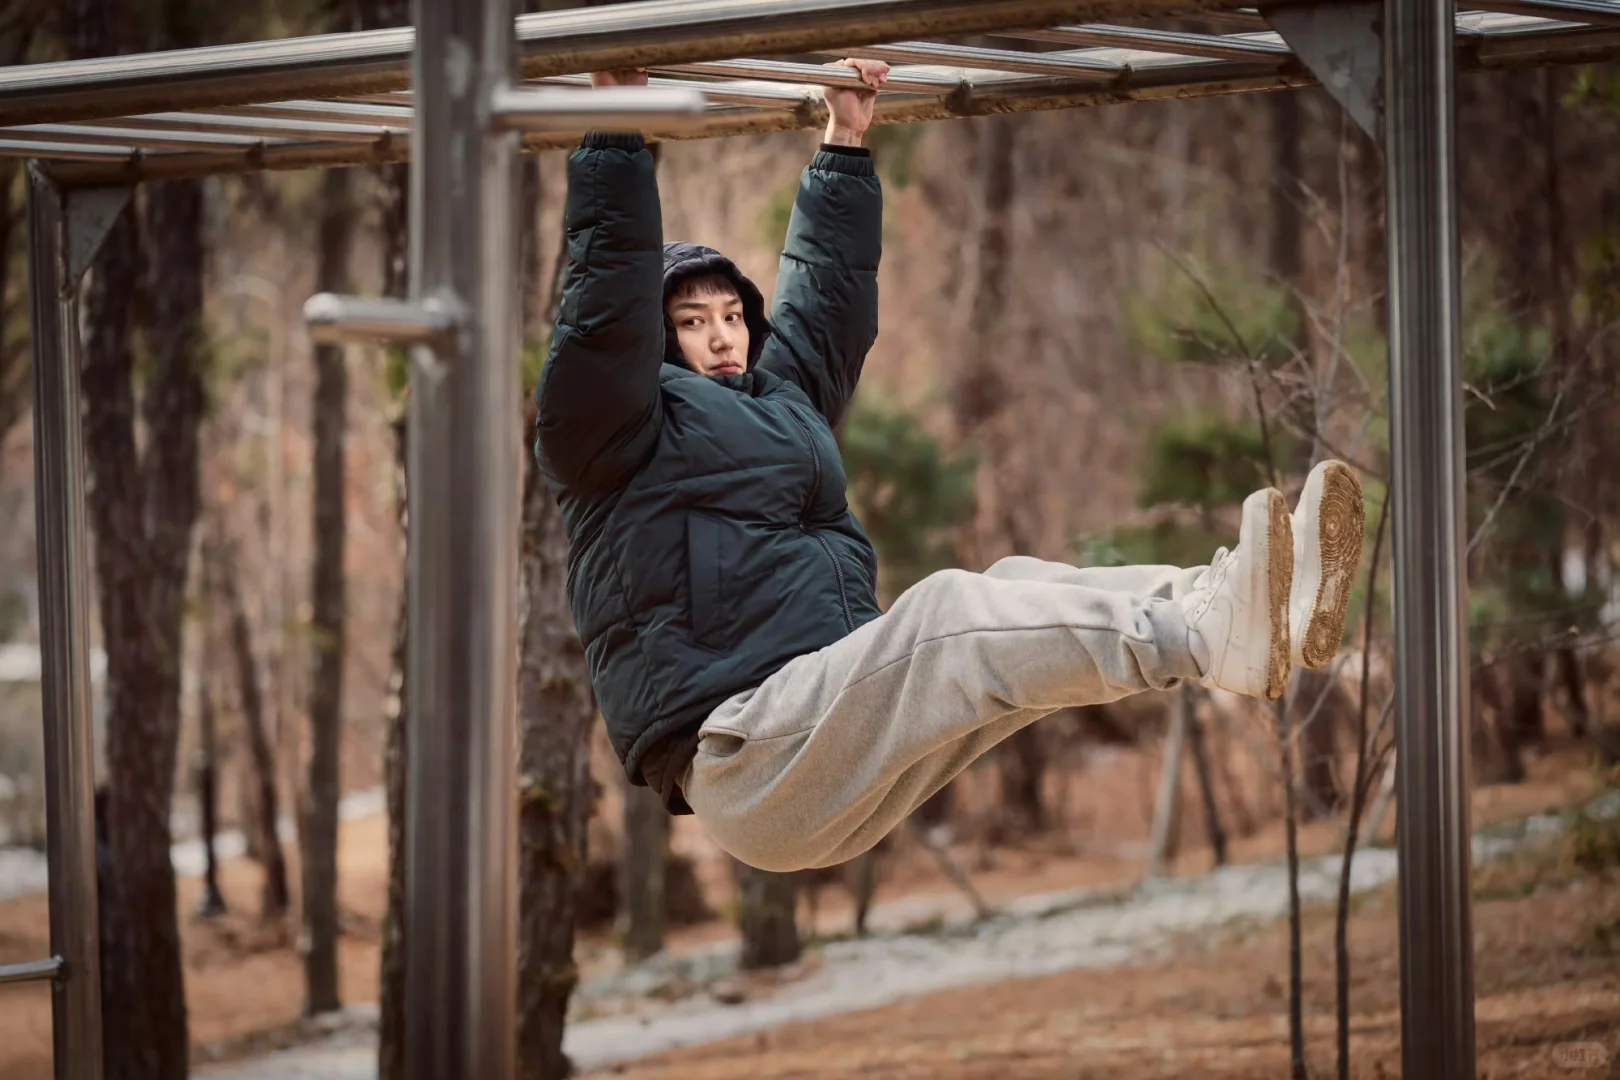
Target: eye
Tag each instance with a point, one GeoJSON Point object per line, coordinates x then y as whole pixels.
{"type": "Point", "coordinates": [734, 317]}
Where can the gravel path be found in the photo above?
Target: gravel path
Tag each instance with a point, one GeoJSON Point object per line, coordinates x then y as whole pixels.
{"type": "Point", "coordinates": [617, 1020]}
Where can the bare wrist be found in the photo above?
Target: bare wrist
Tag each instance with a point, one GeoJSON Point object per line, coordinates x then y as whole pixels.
{"type": "Point", "coordinates": [838, 135]}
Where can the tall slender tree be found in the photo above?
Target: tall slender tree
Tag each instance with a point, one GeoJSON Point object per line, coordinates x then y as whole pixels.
{"type": "Point", "coordinates": [323, 786]}
{"type": "Point", "coordinates": [395, 191]}
{"type": "Point", "coordinates": [219, 560]}
{"type": "Point", "coordinates": [143, 506]}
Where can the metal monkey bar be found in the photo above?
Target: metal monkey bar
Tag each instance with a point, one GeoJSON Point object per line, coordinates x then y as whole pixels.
{"type": "Point", "coordinates": [214, 110]}
{"type": "Point", "coordinates": [481, 88]}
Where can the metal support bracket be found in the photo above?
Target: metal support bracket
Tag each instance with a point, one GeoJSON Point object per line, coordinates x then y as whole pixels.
{"type": "Point", "coordinates": [91, 213]}
{"type": "Point", "coordinates": [360, 320]}
{"type": "Point", "coordinates": [1341, 43]}
{"type": "Point", "coordinates": [558, 108]}
{"type": "Point", "coordinates": [32, 971]}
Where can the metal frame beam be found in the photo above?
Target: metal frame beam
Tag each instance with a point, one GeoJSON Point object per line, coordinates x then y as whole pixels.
{"type": "Point", "coordinates": [779, 96]}
{"type": "Point", "coordinates": [652, 34]}
{"type": "Point", "coordinates": [461, 794]}
{"type": "Point", "coordinates": [1259, 47]}
{"type": "Point", "coordinates": [1426, 455]}
{"type": "Point", "coordinates": [64, 230]}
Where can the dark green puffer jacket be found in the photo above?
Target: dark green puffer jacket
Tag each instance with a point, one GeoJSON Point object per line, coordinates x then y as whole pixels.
{"type": "Point", "coordinates": [709, 538]}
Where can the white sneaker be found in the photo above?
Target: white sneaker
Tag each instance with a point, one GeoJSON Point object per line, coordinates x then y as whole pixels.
{"type": "Point", "coordinates": [1237, 611]}
{"type": "Point", "coordinates": [1329, 525]}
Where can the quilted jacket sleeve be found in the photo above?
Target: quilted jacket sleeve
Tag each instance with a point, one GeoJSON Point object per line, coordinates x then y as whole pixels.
{"type": "Point", "coordinates": [825, 311]}
{"type": "Point", "coordinates": [597, 400]}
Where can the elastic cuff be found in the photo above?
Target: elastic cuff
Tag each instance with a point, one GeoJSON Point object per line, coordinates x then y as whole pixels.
{"type": "Point", "coordinates": [841, 162]}
{"type": "Point", "coordinates": [628, 141]}
{"type": "Point", "coordinates": [1172, 640]}
{"type": "Point", "coordinates": [839, 148]}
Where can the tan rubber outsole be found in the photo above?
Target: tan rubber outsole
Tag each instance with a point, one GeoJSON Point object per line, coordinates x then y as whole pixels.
{"type": "Point", "coordinates": [1279, 581]}
{"type": "Point", "coordinates": [1341, 525]}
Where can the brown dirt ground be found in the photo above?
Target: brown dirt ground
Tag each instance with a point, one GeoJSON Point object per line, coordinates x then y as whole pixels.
{"type": "Point", "coordinates": [245, 983]}
{"type": "Point", "coordinates": [1544, 979]}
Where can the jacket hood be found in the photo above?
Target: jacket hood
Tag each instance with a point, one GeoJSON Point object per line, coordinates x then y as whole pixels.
{"type": "Point", "coordinates": [683, 260]}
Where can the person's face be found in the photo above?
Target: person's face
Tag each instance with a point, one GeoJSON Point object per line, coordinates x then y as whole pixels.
{"type": "Point", "coordinates": [711, 331]}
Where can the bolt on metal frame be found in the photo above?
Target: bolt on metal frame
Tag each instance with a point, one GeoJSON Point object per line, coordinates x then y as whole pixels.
{"type": "Point", "coordinates": [93, 128]}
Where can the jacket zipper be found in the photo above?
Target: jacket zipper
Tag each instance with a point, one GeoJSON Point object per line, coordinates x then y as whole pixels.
{"type": "Point", "coordinates": [804, 526]}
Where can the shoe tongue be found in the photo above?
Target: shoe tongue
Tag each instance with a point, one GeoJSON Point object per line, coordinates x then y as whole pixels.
{"type": "Point", "coordinates": [1222, 557]}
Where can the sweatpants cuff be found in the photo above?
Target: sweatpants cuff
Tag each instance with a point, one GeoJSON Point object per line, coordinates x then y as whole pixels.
{"type": "Point", "coordinates": [1176, 662]}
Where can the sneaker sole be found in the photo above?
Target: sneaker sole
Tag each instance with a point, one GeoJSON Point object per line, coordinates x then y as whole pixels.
{"type": "Point", "coordinates": [1279, 580]}
{"type": "Point", "coordinates": [1333, 556]}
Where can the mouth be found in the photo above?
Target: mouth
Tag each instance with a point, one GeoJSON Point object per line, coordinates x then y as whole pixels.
{"type": "Point", "coordinates": [729, 369]}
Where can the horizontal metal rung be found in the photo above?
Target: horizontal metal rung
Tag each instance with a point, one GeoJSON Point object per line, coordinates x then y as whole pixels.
{"type": "Point", "coordinates": [344, 320]}
{"type": "Point", "coordinates": [358, 114]}
{"type": "Point", "coordinates": [1056, 65]}
{"type": "Point", "coordinates": [34, 971]}
{"type": "Point", "coordinates": [115, 133]}
{"type": "Point", "coordinates": [1591, 12]}
{"type": "Point", "coordinates": [754, 92]}
{"type": "Point", "coordinates": [14, 146]}
{"type": "Point", "coordinates": [900, 80]}
{"type": "Point", "coordinates": [253, 128]}
{"type": "Point", "coordinates": [1174, 43]}
{"type": "Point", "coordinates": [561, 108]}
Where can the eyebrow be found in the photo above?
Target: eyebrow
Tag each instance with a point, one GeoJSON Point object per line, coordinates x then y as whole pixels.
{"type": "Point", "coordinates": [681, 305]}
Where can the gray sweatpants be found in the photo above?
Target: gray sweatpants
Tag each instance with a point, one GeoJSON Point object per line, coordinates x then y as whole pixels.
{"type": "Point", "coordinates": [823, 759]}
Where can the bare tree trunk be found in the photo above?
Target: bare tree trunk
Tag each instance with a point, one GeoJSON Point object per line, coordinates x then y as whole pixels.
{"type": "Point", "coordinates": [1296, 980]}
{"type": "Point", "coordinates": [556, 709]}
{"type": "Point", "coordinates": [391, 980]}
{"type": "Point", "coordinates": [643, 858]}
{"type": "Point", "coordinates": [1021, 765]}
{"type": "Point", "coordinates": [1526, 676]}
{"type": "Point", "coordinates": [142, 508]}
{"type": "Point", "coordinates": [1495, 740]}
{"type": "Point", "coordinates": [1165, 837]}
{"type": "Point", "coordinates": [766, 915]}
{"type": "Point", "coordinates": [320, 817]}
{"type": "Point", "coordinates": [979, 394]}
{"type": "Point", "coordinates": [1287, 262]}
{"type": "Point", "coordinates": [1360, 786]}
{"type": "Point", "coordinates": [276, 897]}
{"type": "Point", "coordinates": [1206, 781]}
{"type": "Point", "coordinates": [1322, 704]}
{"type": "Point", "coordinates": [213, 901]}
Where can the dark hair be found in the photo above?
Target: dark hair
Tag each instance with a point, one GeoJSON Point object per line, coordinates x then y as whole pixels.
{"type": "Point", "coordinates": [697, 286]}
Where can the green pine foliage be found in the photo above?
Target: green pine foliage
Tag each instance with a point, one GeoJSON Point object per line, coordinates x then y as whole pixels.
{"type": "Point", "coordinates": [910, 493]}
{"type": "Point", "coordinates": [1517, 595]}
{"type": "Point", "coordinates": [1214, 320]}
{"type": "Point", "coordinates": [1207, 462]}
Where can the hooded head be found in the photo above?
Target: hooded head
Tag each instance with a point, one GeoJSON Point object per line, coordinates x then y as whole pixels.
{"type": "Point", "coordinates": [704, 293]}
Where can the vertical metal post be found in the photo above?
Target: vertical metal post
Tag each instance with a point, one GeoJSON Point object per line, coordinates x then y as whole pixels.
{"type": "Point", "coordinates": [1426, 435]}
{"type": "Point", "coordinates": [460, 917]}
{"type": "Point", "coordinates": [64, 621]}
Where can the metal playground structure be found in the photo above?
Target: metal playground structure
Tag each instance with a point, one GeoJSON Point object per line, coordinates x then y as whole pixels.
{"type": "Point", "coordinates": [468, 90]}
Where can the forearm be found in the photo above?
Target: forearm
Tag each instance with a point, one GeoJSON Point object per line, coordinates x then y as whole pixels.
{"type": "Point", "coordinates": [600, 384]}
{"type": "Point", "coordinates": [825, 309]}
{"type": "Point", "coordinates": [842, 135]}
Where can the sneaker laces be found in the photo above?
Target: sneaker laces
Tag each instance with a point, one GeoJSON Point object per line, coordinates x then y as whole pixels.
{"type": "Point", "coordinates": [1206, 583]}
